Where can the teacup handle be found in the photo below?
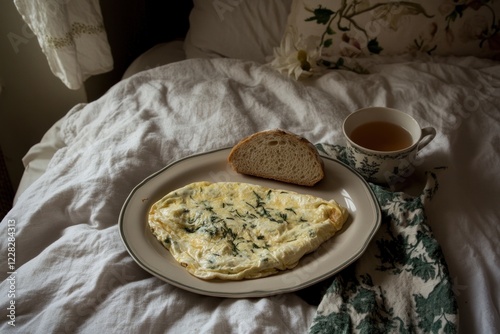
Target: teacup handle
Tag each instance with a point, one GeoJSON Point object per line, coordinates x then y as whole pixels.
{"type": "Point", "coordinates": [427, 136]}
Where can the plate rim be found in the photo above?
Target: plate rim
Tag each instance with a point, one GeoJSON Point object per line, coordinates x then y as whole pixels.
{"type": "Point", "coordinates": [253, 293]}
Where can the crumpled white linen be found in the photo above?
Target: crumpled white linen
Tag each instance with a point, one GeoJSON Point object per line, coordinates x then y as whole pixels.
{"type": "Point", "coordinates": [73, 273]}
{"type": "Point", "coordinates": [72, 37]}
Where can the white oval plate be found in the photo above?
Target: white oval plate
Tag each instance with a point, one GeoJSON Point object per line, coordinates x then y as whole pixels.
{"type": "Point", "coordinates": [340, 183]}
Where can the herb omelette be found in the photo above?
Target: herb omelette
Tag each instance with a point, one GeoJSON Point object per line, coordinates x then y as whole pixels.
{"type": "Point", "coordinates": [235, 231]}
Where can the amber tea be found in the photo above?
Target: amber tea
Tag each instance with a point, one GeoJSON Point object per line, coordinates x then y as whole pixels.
{"type": "Point", "coordinates": [381, 136]}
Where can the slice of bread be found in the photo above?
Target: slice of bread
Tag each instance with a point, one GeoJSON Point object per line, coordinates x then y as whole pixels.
{"type": "Point", "coordinates": [278, 155]}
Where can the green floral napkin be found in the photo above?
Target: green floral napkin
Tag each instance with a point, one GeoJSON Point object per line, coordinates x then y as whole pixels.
{"type": "Point", "coordinates": [401, 283]}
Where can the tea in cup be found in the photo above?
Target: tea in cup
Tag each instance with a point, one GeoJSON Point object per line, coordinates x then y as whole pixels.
{"type": "Point", "coordinates": [382, 143]}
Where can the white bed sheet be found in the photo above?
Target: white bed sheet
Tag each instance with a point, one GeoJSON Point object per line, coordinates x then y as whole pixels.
{"type": "Point", "coordinates": [73, 271]}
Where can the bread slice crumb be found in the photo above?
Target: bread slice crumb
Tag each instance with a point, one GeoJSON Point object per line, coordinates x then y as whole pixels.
{"type": "Point", "coordinates": [279, 155]}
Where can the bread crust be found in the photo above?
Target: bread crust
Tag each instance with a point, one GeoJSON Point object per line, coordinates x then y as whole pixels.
{"type": "Point", "coordinates": [315, 164]}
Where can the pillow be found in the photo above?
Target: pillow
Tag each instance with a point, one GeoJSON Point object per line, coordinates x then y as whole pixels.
{"type": "Point", "coordinates": [245, 29]}
{"type": "Point", "coordinates": [159, 55]}
{"type": "Point", "coordinates": [359, 28]}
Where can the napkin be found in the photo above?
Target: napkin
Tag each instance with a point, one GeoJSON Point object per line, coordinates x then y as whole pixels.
{"type": "Point", "coordinates": [401, 283]}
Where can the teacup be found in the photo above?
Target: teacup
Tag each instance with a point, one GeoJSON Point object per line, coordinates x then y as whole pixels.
{"type": "Point", "coordinates": [382, 143]}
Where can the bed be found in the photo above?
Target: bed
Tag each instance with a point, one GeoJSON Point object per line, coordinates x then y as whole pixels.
{"type": "Point", "coordinates": [426, 258]}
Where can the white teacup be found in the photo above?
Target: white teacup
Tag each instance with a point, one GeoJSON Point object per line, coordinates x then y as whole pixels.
{"type": "Point", "coordinates": [382, 143]}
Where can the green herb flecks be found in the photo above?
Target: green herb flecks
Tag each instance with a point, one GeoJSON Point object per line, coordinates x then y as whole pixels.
{"type": "Point", "coordinates": [283, 216]}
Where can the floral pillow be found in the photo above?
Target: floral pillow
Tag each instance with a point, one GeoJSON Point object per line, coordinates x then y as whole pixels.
{"type": "Point", "coordinates": [360, 28]}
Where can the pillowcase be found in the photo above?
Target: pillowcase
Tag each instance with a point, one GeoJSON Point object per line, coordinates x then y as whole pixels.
{"type": "Point", "coordinates": [359, 28]}
{"type": "Point", "coordinates": [244, 29]}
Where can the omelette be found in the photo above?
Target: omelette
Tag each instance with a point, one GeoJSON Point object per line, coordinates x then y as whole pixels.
{"type": "Point", "coordinates": [236, 231]}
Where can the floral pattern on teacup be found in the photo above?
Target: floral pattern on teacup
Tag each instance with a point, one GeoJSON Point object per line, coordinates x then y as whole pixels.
{"type": "Point", "coordinates": [381, 168]}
